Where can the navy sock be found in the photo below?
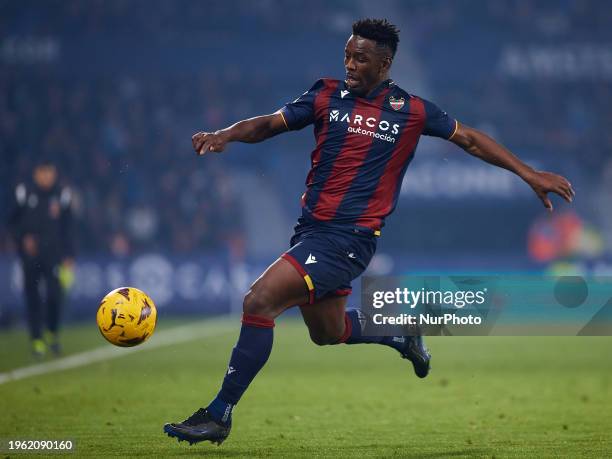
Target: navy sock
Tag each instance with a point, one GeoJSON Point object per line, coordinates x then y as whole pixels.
{"type": "Point", "coordinates": [355, 321]}
{"type": "Point", "coordinates": [248, 357]}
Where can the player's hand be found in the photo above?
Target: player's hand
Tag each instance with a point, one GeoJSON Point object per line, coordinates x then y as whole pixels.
{"type": "Point", "coordinates": [203, 142]}
{"type": "Point", "coordinates": [547, 182]}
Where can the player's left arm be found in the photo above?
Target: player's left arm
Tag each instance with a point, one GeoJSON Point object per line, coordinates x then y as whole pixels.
{"type": "Point", "coordinates": [484, 147]}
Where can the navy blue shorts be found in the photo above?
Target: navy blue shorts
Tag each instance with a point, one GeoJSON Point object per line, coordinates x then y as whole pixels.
{"type": "Point", "coordinates": [330, 258]}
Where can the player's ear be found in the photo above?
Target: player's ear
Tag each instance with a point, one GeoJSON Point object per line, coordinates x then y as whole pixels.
{"type": "Point", "coordinates": [386, 64]}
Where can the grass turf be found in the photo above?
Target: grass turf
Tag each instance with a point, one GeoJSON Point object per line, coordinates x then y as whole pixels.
{"type": "Point", "coordinates": [486, 396]}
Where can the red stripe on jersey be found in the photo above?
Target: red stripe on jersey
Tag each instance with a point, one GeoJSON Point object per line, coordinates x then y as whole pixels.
{"type": "Point", "coordinates": [321, 103]}
{"type": "Point", "coordinates": [354, 151]}
{"type": "Point", "coordinates": [381, 201]}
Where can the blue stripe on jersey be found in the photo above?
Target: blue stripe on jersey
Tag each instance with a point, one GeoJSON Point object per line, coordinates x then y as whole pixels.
{"type": "Point", "coordinates": [401, 179]}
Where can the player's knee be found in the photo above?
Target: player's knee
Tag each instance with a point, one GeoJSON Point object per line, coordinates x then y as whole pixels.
{"type": "Point", "coordinates": [323, 338]}
{"type": "Point", "coordinates": [319, 340]}
{"type": "Point", "coordinates": [258, 302]}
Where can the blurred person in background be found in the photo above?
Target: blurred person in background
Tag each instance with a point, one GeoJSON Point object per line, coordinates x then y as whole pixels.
{"type": "Point", "coordinates": [41, 225]}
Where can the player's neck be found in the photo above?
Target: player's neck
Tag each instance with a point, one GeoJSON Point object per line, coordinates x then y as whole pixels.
{"type": "Point", "coordinates": [376, 85]}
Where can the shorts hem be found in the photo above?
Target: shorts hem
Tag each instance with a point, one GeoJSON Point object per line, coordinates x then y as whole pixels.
{"type": "Point", "coordinates": [300, 269]}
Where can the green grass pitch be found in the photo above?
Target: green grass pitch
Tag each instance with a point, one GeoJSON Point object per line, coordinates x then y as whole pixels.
{"type": "Point", "coordinates": [485, 397]}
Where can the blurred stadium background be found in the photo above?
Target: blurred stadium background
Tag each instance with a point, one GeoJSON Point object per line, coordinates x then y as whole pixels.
{"type": "Point", "coordinates": [114, 90]}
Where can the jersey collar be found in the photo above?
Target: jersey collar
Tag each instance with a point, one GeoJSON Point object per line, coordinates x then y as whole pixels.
{"type": "Point", "coordinates": [378, 89]}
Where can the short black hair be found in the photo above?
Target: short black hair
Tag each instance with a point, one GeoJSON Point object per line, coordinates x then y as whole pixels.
{"type": "Point", "coordinates": [381, 31]}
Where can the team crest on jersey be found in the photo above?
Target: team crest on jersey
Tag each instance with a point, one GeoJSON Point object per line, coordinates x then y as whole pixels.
{"type": "Point", "coordinates": [396, 104]}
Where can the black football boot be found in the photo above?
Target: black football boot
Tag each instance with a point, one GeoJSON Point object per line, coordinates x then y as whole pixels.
{"type": "Point", "coordinates": [199, 427]}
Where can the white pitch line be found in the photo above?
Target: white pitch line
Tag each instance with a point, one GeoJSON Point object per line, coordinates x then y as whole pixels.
{"type": "Point", "coordinates": [175, 335]}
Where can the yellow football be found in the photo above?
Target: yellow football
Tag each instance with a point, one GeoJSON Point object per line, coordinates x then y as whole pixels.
{"type": "Point", "coordinates": [126, 317]}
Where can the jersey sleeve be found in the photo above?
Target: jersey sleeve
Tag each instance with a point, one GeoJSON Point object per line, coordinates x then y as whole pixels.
{"type": "Point", "coordinates": [438, 123]}
{"type": "Point", "coordinates": [300, 113]}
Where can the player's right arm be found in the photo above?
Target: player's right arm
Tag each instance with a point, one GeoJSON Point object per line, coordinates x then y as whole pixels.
{"type": "Point", "coordinates": [252, 130]}
{"type": "Point", "coordinates": [293, 116]}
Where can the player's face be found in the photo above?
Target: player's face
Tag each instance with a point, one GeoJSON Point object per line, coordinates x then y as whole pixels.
{"type": "Point", "coordinates": [366, 65]}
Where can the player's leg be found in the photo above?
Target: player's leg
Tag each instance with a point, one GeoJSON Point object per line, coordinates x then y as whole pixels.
{"type": "Point", "coordinates": [277, 289]}
{"type": "Point", "coordinates": [31, 277]}
{"type": "Point", "coordinates": [329, 323]}
{"type": "Point", "coordinates": [325, 319]}
{"type": "Point", "coordinates": [53, 303]}
{"type": "Point", "coordinates": [330, 261]}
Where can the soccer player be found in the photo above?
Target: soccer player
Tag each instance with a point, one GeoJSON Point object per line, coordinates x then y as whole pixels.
{"type": "Point", "coordinates": [366, 130]}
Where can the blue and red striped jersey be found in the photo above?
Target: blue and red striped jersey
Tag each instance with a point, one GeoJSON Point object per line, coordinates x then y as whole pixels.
{"type": "Point", "coordinates": [363, 147]}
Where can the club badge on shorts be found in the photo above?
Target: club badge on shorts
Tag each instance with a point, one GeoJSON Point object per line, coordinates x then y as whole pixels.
{"type": "Point", "coordinates": [396, 104]}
